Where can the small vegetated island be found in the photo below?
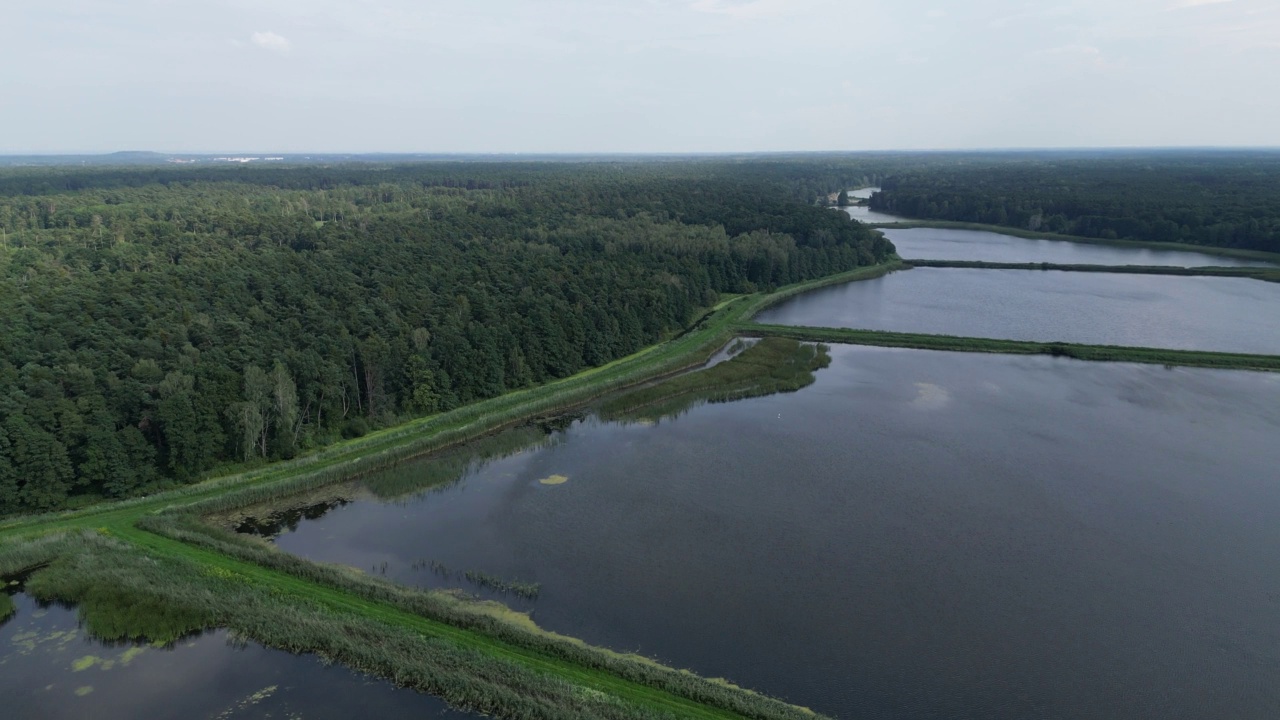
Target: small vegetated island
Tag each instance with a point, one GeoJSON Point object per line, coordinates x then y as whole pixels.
{"type": "Point", "coordinates": [177, 345]}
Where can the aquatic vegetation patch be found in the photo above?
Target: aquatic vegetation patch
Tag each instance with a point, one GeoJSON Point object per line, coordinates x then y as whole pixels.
{"type": "Point", "coordinates": [526, 590]}
{"type": "Point", "coordinates": [770, 366]}
{"type": "Point", "coordinates": [554, 480]}
{"type": "Point", "coordinates": [244, 704]}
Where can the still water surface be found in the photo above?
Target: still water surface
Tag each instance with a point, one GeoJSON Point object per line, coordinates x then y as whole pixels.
{"type": "Point", "coordinates": [50, 669]}
{"type": "Point", "coordinates": [940, 244]}
{"type": "Point", "coordinates": [1189, 313]}
{"type": "Point", "coordinates": [916, 535]}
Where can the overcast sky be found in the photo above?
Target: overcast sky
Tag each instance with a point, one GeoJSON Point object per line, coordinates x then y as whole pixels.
{"type": "Point", "coordinates": [635, 75]}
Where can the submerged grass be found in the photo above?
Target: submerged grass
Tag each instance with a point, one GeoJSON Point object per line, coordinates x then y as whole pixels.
{"type": "Point", "coordinates": [770, 366]}
{"type": "Point", "coordinates": [1106, 353]}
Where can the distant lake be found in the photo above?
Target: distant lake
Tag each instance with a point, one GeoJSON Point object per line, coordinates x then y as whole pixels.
{"type": "Point", "coordinates": [866, 214]}
{"type": "Point", "coordinates": [940, 244]}
{"type": "Point", "coordinates": [916, 535]}
{"type": "Point", "coordinates": [49, 668]}
{"type": "Point", "coordinates": [1189, 313]}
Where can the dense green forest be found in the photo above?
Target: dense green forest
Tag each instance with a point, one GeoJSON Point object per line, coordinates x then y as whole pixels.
{"type": "Point", "coordinates": [1221, 199]}
{"type": "Point", "coordinates": [158, 323]}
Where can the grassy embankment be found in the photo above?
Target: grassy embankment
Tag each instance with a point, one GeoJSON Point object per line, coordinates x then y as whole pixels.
{"type": "Point", "coordinates": [1105, 353]}
{"type": "Point", "coordinates": [150, 567]}
{"type": "Point", "coordinates": [1257, 273]}
{"type": "Point", "coordinates": [1036, 235]}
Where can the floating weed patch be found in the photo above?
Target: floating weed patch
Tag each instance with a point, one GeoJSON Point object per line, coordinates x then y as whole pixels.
{"type": "Point", "coordinates": [84, 663]}
{"type": "Point", "coordinates": [83, 690]}
{"type": "Point", "coordinates": [554, 480]}
{"type": "Point", "coordinates": [240, 707]}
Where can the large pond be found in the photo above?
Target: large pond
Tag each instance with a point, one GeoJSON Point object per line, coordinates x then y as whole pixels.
{"type": "Point", "coordinates": [49, 668]}
{"type": "Point", "coordinates": [915, 535]}
{"type": "Point", "coordinates": [940, 244]}
{"type": "Point", "coordinates": [1191, 313]}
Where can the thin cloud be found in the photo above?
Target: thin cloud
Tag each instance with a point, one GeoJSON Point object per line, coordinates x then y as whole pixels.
{"type": "Point", "coordinates": [271, 41]}
{"type": "Point", "coordinates": [1183, 4]}
{"type": "Point", "coordinates": [742, 9]}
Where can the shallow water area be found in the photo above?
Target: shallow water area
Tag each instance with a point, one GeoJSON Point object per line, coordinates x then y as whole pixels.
{"type": "Point", "coordinates": [1186, 313]}
{"type": "Point", "coordinates": [50, 668]}
{"type": "Point", "coordinates": [945, 244]}
{"type": "Point", "coordinates": [917, 534]}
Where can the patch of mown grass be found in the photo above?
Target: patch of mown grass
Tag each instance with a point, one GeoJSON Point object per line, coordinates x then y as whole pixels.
{"type": "Point", "coordinates": [1105, 353]}
{"type": "Point", "coordinates": [770, 366]}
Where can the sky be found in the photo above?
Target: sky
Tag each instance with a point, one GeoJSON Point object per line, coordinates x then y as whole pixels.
{"type": "Point", "coordinates": [642, 76]}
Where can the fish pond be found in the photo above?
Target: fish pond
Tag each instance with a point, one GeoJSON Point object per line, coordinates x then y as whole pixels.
{"type": "Point", "coordinates": [913, 535]}
{"type": "Point", "coordinates": [1186, 313]}
{"type": "Point", "coordinates": [945, 244]}
{"type": "Point", "coordinates": [50, 668]}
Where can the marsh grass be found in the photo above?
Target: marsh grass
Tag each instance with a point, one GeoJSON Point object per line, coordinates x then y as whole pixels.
{"type": "Point", "coordinates": [526, 590]}
{"type": "Point", "coordinates": [476, 655]}
{"type": "Point", "coordinates": [7, 608]}
{"type": "Point", "coordinates": [770, 366]}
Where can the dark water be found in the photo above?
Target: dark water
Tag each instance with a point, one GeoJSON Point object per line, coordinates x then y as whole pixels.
{"type": "Point", "coordinates": [1190, 313]}
{"type": "Point", "coordinates": [937, 244]}
{"type": "Point", "coordinates": [916, 535]}
{"type": "Point", "coordinates": [50, 669]}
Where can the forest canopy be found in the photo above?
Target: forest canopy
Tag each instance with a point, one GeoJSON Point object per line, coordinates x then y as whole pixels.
{"type": "Point", "coordinates": [156, 324]}
{"type": "Point", "coordinates": [1227, 199]}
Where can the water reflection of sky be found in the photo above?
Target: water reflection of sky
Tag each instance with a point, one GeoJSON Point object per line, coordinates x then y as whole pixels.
{"type": "Point", "coordinates": [1190, 313]}
{"type": "Point", "coordinates": [917, 534]}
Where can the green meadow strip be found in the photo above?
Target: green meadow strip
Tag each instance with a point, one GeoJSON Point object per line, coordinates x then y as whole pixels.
{"type": "Point", "coordinates": [1105, 353]}
{"type": "Point", "coordinates": [1258, 273]}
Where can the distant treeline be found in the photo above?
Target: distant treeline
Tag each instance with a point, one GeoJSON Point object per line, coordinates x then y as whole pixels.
{"type": "Point", "coordinates": [157, 323]}
{"type": "Point", "coordinates": [1219, 199]}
